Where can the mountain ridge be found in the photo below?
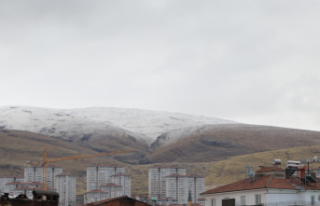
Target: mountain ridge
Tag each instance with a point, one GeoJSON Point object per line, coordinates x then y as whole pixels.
{"type": "Point", "coordinates": [87, 123]}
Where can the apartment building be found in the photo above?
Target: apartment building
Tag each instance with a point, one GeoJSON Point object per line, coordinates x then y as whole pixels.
{"type": "Point", "coordinates": [95, 195]}
{"type": "Point", "coordinates": [178, 187]}
{"type": "Point", "coordinates": [98, 175]}
{"type": "Point", "coordinates": [114, 190]}
{"type": "Point", "coordinates": [34, 173]}
{"type": "Point", "coordinates": [124, 180]}
{"type": "Point", "coordinates": [157, 179]}
{"type": "Point", "coordinates": [4, 179]}
{"type": "Point", "coordinates": [66, 187]}
{"type": "Point", "coordinates": [28, 191]}
{"type": "Point", "coordinates": [11, 187]}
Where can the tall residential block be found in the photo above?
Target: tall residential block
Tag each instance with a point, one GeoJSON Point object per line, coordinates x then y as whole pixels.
{"type": "Point", "coordinates": [124, 180]}
{"type": "Point", "coordinates": [34, 173]}
{"type": "Point", "coordinates": [157, 179]}
{"type": "Point", "coordinates": [98, 175]}
{"type": "Point", "coordinates": [66, 187]}
{"type": "Point", "coordinates": [17, 188]}
{"type": "Point", "coordinates": [95, 196]}
{"type": "Point", "coordinates": [4, 179]}
{"type": "Point", "coordinates": [113, 190]}
{"type": "Point", "coordinates": [178, 187]}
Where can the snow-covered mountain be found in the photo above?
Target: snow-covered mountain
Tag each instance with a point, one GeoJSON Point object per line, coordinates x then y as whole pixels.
{"type": "Point", "coordinates": [95, 123]}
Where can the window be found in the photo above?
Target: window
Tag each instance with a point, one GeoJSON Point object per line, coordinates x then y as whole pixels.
{"type": "Point", "coordinates": [258, 199]}
{"type": "Point", "coordinates": [213, 202]}
{"type": "Point", "coordinates": [243, 200]}
{"type": "Point", "coordinates": [312, 200]}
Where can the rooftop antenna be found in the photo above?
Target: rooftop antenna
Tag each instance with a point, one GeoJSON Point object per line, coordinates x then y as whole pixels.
{"type": "Point", "coordinates": [315, 159]}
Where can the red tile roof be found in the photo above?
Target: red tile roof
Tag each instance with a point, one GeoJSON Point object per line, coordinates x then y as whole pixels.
{"type": "Point", "coordinates": [167, 166]}
{"type": "Point", "coordinates": [97, 191]}
{"type": "Point", "coordinates": [121, 174]}
{"type": "Point", "coordinates": [39, 165]}
{"type": "Point", "coordinates": [190, 175]}
{"type": "Point", "coordinates": [104, 165]}
{"type": "Point", "coordinates": [268, 181]}
{"type": "Point", "coordinates": [24, 183]}
{"type": "Point", "coordinates": [270, 169]}
{"type": "Point", "coordinates": [19, 176]}
{"type": "Point", "coordinates": [111, 184]}
{"type": "Point", "coordinates": [65, 174]}
{"type": "Point", "coordinates": [33, 188]}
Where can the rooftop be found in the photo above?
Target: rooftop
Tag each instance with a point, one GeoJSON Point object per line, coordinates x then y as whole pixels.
{"type": "Point", "coordinates": [65, 174]}
{"type": "Point", "coordinates": [104, 165]}
{"type": "Point", "coordinates": [167, 166]}
{"type": "Point", "coordinates": [268, 181]}
{"type": "Point", "coordinates": [121, 174]}
{"type": "Point", "coordinates": [24, 183]}
{"type": "Point", "coordinates": [190, 175]}
{"type": "Point", "coordinates": [97, 191]}
{"type": "Point", "coordinates": [111, 184]}
{"type": "Point", "coordinates": [19, 176]}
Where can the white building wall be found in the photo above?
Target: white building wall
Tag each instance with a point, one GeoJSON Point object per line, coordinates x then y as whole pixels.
{"type": "Point", "coordinates": [66, 187]}
{"type": "Point", "coordinates": [249, 197]}
{"type": "Point", "coordinates": [5, 180]}
{"type": "Point", "coordinates": [95, 196]}
{"type": "Point", "coordinates": [157, 180]}
{"type": "Point", "coordinates": [100, 175]}
{"type": "Point", "coordinates": [267, 196]}
{"type": "Point", "coordinates": [35, 174]}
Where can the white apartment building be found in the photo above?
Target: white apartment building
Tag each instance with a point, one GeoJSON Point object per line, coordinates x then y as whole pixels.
{"type": "Point", "coordinates": [98, 175]}
{"type": "Point", "coordinates": [267, 190]}
{"type": "Point", "coordinates": [113, 190]}
{"type": "Point", "coordinates": [124, 180]}
{"type": "Point", "coordinates": [178, 187]}
{"type": "Point", "coordinates": [95, 195]}
{"type": "Point", "coordinates": [66, 187]}
{"type": "Point", "coordinates": [157, 179]}
{"type": "Point", "coordinates": [34, 173]}
{"type": "Point", "coordinates": [11, 187]}
{"type": "Point", "coordinates": [4, 179]}
{"type": "Point", "coordinates": [28, 191]}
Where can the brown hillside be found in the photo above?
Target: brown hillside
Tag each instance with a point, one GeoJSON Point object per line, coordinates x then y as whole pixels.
{"type": "Point", "coordinates": [17, 147]}
{"type": "Point", "coordinates": [224, 141]}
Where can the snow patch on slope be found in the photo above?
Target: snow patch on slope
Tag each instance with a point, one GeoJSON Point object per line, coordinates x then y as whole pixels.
{"type": "Point", "coordinates": [178, 134]}
{"type": "Point", "coordinates": [95, 123]}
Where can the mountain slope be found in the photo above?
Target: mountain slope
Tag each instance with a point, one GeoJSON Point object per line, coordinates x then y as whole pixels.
{"type": "Point", "coordinates": [89, 124]}
{"type": "Point", "coordinates": [218, 142]}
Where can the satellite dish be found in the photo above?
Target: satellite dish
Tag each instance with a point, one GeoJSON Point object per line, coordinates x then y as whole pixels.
{"type": "Point", "coordinates": [315, 159]}
{"type": "Point", "coordinates": [319, 197]}
{"type": "Point", "coordinates": [303, 161]}
{"type": "Point", "coordinates": [308, 161]}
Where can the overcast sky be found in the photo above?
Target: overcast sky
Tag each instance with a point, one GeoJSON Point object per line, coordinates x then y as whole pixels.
{"type": "Point", "coordinates": [251, 61]}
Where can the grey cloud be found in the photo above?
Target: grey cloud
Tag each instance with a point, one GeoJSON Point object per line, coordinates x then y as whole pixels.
{"type": "Point", "coordinates": [251, 61]}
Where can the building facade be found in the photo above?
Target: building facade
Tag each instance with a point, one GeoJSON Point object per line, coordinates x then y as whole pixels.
{"type": "Point", "coordinates": [66, 187]}
{"type": "Point", "coordinates": [28, 191]}
{"type": "Point", "coordinates": [124, 180]}
{"type": "Point", "coordinates": [113, 190]}
{"type": "Point", "coordinates": [98, 175]}
{"type": "Point", "coordinates": [34, 173]}
{"type": "Point", "coordinates": [95, 196]}
{"type": "Point", "coordinates": [4, 179]}
{"type": "Point", "coordinates": [157, 179]}
{"type": "Point", "coordinates": [11, 187]}
{"type": "Point", "coordinates": [179, 186]}
{"type": "Point", "coordinates": [267, 190]}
